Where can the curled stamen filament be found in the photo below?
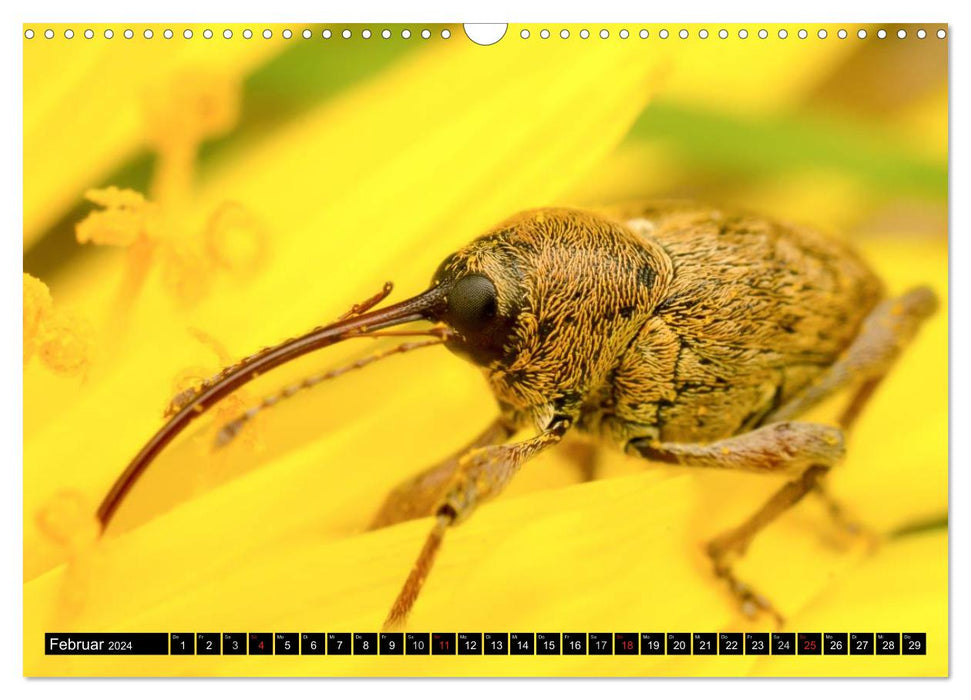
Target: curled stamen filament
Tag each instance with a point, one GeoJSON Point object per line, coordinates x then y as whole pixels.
{"type": "Point", "coordinates": [231, 429]}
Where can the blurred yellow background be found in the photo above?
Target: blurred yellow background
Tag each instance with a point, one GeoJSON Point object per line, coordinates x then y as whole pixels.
{"type": "Point", "coordinates": [190, 200]}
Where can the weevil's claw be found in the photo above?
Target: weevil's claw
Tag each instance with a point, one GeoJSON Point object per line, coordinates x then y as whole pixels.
{"type": "Point", "coordinates": [851, 534]}
{"type": "Point", "coordinates": [749, 600]}
{"type": "Point", "coordinates": [752, 603]}
{"type": "Point", "coordinates": [849, 530]}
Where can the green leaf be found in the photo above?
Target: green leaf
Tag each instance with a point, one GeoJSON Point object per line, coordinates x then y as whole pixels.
{"type": "Point", "coordinates": [763, 147]}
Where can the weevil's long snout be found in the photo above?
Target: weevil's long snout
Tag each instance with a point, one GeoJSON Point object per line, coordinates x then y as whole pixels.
{"type": "Point", "coordinates": [425, 306]}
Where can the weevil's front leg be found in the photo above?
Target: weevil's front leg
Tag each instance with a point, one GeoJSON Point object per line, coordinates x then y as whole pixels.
{"type": "Point", "coordinates": [806, 449]}
{"type": "Point", "coordinates": [481, 474]}
{"type": "Point", "coordinates": [419, 496]}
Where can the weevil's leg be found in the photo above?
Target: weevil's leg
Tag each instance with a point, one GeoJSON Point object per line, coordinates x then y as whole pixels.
{"type": "Point", "coordinates": [736, 541]}
{"type": "Point", "coordinates": [788, 447]}
{"type": "Point", "coordinates": [882, 337]}
{"type": "Point", "coordinates": [482, 474]}
{"type": "Point", "coordinates": [419, 572]}
{"type": "Point", "coordinates": [418, 496]}
{"type": "Point", "coordinates": [837, 512]}
{"type": "Point", "coordinates": [807, 449]}
{"type": "Point", "coordinates": [889, 328]}
{"type": "Point", "coordinates": [844, 521]}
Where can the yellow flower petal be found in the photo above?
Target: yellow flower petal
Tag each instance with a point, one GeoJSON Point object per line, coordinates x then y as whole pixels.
{"type": "Point", "coordinates": [617, 555]}
{"type": "Point", "coordinates": [754, 75]}
{"type": "Point", "coordinates": [903, 589]}
{"type": "Point", "coordinates": [102, 84]}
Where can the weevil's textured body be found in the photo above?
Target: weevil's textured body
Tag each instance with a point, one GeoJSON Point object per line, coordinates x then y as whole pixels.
{"type": "Point", "coordinates": [670, 322]}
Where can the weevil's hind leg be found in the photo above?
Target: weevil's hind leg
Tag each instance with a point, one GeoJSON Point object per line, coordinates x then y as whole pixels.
{"type": "Point", "coordinates": [418, 496]}
{"type": "Point", "coordinates": [734, 542]}
{"type": "Point", "coordinates": [838, 513]}
{"type": "Point", "coordinates": [806, 449]}
{"type": "Point", "coordinates": [889, 328]}
{"type": "Point", "coordinates": [481, 474]}
{"type": "Point", "coordinates": [886, 331]}
{"type": "Point", "coordinates": [849, 530]}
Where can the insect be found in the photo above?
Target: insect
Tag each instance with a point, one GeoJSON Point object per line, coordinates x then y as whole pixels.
{"type": "Point", "coordinates": [675, 332]}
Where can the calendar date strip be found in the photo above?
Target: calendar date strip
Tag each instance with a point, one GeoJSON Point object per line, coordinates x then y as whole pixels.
{"type": "Point", "coordinates": [487, 643]}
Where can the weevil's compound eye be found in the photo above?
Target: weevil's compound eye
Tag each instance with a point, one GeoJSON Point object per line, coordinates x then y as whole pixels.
{"type": "Point", "coordinates": [472, 303]}
{"type": "Point", "coordinates": [473, 308]}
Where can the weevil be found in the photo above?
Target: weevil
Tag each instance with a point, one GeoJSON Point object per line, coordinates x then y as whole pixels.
{"type": "Point", "coordinates": [675, 332]}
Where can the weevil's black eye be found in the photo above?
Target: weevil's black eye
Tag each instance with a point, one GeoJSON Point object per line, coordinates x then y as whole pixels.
{"type": "Point", "coordinates": [472, 303]}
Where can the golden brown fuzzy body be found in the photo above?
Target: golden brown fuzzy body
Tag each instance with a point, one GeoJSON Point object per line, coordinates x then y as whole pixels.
{"type": "Point", "coordinates": [671, 321]}
{"type": "Point", "coordinates": [679, 333]}
{"type": "Point", "coordinates": [755, 311]}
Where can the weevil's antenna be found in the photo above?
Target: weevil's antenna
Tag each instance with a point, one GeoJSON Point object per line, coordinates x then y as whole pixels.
{"type": "Point", "coordinates": [425, 306]}
{"type": "Point", "coordinates": [231, 429]}
{"type": "Point", "coordinates": [180, 400]}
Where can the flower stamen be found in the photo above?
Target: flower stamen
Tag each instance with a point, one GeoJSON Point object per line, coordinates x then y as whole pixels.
{"type": "Point", "coordinates": [61, 338]}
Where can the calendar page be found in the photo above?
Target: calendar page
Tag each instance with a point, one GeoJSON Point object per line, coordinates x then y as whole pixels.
{"type": "Point", "coordinates": [375, 349]}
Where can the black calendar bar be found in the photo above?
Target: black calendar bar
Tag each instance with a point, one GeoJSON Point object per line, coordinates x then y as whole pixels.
{"type": "Point", "coordinates": [489, 643]}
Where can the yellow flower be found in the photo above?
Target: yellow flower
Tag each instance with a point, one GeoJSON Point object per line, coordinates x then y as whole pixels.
{"type": "Point", "coordinates": [381, 182]}
{"type": "Point", "coordinates": [192, 107]}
